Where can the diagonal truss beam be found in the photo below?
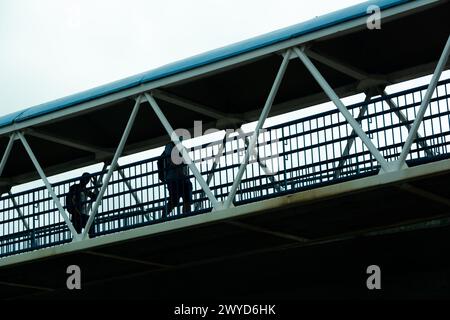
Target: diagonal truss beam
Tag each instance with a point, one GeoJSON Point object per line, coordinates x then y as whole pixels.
{"type": "Point", "coordinates": [186, 158]}
{"type": "Point", "coordinates": [47, 184]}
{"type": "Point", "coordinates": [89, 148]}
{"type": "Point", "coordinates": [133, 193]}
{"type": "Point", "coordinates": [113, 166]}
{"type": "Point", "coordinates": [22, 217]}
{"type": "Point", "coordinates": [262, 118]}
{"type": "Point", "coordinates": [347, 115]}
{"type": "Point", "coordinates": [261, 163]}
{"type": "Point", "coordinates": [7, 153]}
{"type": "Point", "coordinates": [349, 145]}
{"type": "Point", "coordinates": [19, 211]}
{"type": "Point", "coordinates": [404, 120]}
{"type": "Point", "coordinates": [216, 162]}
{"type": "Point", "coordinates": [424, 105]}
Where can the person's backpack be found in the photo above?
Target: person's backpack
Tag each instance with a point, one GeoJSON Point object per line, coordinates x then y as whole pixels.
{"type": "Point", "coordinates": [162, 167]}
{"type": "Point", "coordinates": [71, 199]}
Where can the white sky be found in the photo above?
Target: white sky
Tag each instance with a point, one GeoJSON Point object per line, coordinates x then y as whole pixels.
{"type": "Point", "coordinates": [53, 48]}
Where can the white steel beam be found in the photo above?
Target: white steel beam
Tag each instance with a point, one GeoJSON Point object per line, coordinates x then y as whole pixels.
{"type": "Point", "coordinates": [262, 118]}
{"type": "Point", "coordinates": [424, 105]}
{"type": "Point", "coordinates": [7, 153]}
{"type": "Point", "coordinates": [96, 184]}
{"type": "Point", "coordinates": [113, 166]}
{"type": "Point", "coordinates": [348, 146]}
{"type": "Point", "coordinates": [85, 147]}
{"type": "Point", "coordinates": [186, 158]}
{"type": "Point", "coordinates": [99, 152]}
{"type": "Point", "coordinates": [214, 165]}
{"type": "Point", "coordinates": [261, 163]}
{"type": "Point", "coordinates": [404, 120]}
{"type": "Point", "coordinates": [48, 185]}
{"type": "Point", "coordinates": [133, 193]}
{"type": "Point", "coordinates": [19, 211]}
{"type": "Point", "coordinates": [347, 115]}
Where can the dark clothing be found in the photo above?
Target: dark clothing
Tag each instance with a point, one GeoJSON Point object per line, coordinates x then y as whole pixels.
{"type": "Point", "coordinates": [77, 206]}
{"type": "Point", "coordinates": [176, 176]}
{"type": "Point", "coordinates": [173, 171]}
{"type": "Point", "coordinates": [79, 221]}
{"type": "Point", "coordinates": [180, 188]}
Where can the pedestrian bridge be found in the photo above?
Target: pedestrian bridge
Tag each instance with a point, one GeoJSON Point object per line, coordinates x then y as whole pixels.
{"type": "Point", "coordinates": [378, 166]}
{"type": "Point", "coordinates": [293, 157]}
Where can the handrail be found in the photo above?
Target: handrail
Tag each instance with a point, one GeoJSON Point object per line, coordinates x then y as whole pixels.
{"type": "Point", "coordinates": [310, 152]}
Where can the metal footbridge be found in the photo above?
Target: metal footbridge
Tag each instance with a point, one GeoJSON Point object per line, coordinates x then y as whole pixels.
{"type": "Point", "coordinates": [373, 168]}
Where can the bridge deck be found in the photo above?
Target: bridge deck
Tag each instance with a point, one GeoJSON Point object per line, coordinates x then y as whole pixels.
{"type": "Point", "coordinates": [327, 217]}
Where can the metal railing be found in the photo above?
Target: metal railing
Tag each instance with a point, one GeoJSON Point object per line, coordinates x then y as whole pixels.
{"type": "Point", "coordinates": [302, 154]}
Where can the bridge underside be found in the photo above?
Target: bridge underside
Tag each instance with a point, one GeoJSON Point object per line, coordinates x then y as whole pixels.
{"type": "Point", "coordinates": [318, 244]}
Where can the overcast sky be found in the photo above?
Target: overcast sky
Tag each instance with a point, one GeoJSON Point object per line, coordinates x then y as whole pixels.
{"type": "Point", "coordinates": [53, 48]}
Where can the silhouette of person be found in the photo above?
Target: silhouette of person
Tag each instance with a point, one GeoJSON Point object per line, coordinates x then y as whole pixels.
{"type": "Point", "coordinates": [176, 177]}
{"type": "Point", "coordinates": [77, 202]}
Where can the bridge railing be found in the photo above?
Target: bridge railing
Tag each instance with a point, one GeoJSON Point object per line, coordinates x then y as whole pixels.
{"type": "Point", "coordinates": [298, 155]}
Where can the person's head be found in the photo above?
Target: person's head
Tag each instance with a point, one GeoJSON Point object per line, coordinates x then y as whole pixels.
{"type": "Point", "coordinates": [85, 177]}
{"type": "Point", "coordinates": [169, 147]}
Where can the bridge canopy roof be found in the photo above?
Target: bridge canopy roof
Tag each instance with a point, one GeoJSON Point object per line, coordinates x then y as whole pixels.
{"type": "Point", "coordinates": [231, 83]}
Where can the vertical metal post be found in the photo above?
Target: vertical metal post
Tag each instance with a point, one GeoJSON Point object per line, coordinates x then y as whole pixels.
{"type": "Point", "coordinates": [262, 118]}
{"type": "Point", "coordinates": [347, 115]}
{"type": "Point", "coordinates": [113, 166]}
{"type": "Point", "coordinates": [424, 105]}
{"type": "Point", "coordinates": [48, 185]}
{"type": "Point", "coordinates": [187, 159]}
